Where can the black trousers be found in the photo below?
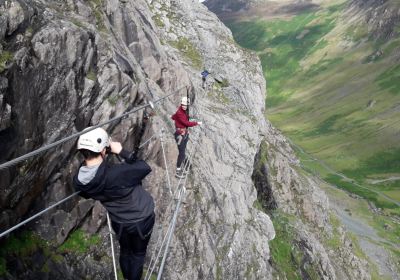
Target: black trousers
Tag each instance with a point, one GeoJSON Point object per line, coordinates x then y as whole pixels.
{"type": "Point", "coordinates": [181, 141]}
{"type": "Point", "coordinates": [133, 240]}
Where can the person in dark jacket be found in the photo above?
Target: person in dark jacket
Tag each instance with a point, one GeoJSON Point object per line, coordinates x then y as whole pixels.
{"type": "Point", "coordinates": [181, 134]}
{"type": "Point", "coordinates": [119, 188]}
{"type": "Point", "coordinates": [204, 75]}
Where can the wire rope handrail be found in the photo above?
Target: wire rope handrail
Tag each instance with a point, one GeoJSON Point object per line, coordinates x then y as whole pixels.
{"type": "Point", "coordinates": [181, 193]}
{"type": "Point", "coordinates": [167, 237]}
{"type": "Point", "coordinates": [61, 141]}
{"type": "Point", "coordinates": [180, 187]}
{"type": "Point", "coordinates": [51, 207]}
{"type": "Point", "coordinates": [38, 214]}
{"type": "Point", "coordinates": [165, 160]}
{"type": "Point", "coordinates": [112, 247]}
{"type": "Point", "coordinates": [147, 141]}
{"type": "Point", "coordinates": [151, 263]}
{"type": "Point", "coordinates": [54, 144]}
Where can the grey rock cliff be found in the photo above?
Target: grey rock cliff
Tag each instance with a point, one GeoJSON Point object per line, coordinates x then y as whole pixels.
{"type": "Point", "coordinates": [78, 63]}
{"type": "Point", "coordinates": [300, 197]}
{"type": "Point", "coordinates": [379, 17]}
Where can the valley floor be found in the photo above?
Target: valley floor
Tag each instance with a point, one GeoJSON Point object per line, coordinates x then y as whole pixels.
{"type": "Point", "coordinates": [370, 242]}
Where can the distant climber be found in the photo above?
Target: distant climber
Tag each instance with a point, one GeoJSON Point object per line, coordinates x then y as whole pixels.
{"type": "Point", "coordinates": [204, 75]}
{"type": "Point", "coordinates": [119, 188]}
{"type": "Point", "coordinates": [181, 134]}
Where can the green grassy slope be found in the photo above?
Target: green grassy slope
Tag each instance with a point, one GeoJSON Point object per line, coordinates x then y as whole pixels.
{"type": "Point", "coordinates": [335, 93]}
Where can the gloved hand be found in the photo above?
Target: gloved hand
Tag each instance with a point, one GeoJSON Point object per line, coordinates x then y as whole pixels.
{"type": "Point", "coordinates": [199, 123]}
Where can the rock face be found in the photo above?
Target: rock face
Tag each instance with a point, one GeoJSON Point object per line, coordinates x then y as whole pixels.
{"type": "Point", "coordinates": [226, 6]}
{"type": "Point", "coordinates": [313, 227]}
{"type": "Point", "coordinates": [380, 17]}
{"type": "Point", "coordinates": [79, 63]}
{"type": "Point", "coordinates": [66, 65]}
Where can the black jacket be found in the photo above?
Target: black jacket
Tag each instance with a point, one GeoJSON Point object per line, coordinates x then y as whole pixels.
{"type": "Point", "coordinates": [119, 188]}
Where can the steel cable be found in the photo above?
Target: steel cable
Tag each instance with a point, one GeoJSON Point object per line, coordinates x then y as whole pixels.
{"type": "Point", "coordinates": [152, 264]}
{"type": "Point", "coordinates": [37, 215]}
{"type": "Point", "coordinates": [61, 141]}
{"type": "Point", "coordinates": [47, 147]}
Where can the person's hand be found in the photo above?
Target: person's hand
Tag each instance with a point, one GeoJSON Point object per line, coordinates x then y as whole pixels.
{"type": "Point", "coordinates": [116, 147]}
{"type": "Point", "coordinates": [199, 123]}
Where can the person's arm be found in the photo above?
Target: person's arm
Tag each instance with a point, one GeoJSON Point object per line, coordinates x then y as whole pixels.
{"type": "Point", "coordinates": [129, 157]}
{"type": "Point", "coordinates": [134, 172]}
{"type": "Point", "coordinates": [116, 148]}
{"type": "Point", "coordinates": [182, 118]}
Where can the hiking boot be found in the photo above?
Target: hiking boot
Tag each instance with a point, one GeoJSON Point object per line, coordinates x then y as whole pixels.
{"type": "Point", "coordinates": [179, 173]}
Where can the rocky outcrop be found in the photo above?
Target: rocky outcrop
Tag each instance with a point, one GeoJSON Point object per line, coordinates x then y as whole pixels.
{"type": "Point", "coordinates": [5, 113]}
{"type": "Point", "coordinates": [277, 173]}
{"type": "Point", "coordinates": [380, 18]}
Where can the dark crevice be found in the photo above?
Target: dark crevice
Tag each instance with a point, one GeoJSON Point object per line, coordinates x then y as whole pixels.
{"type": "Point", "coordinates": [260, 178]}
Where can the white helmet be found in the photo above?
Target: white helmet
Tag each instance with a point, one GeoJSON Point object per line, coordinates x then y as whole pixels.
{"type": "Point", "coordinates": [185, 101]}
{"type": "Point", "coordinates": [95, 140]}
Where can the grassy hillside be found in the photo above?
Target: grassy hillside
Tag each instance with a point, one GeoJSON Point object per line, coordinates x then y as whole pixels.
{"type": "Point", "coordinates": [335, 92]}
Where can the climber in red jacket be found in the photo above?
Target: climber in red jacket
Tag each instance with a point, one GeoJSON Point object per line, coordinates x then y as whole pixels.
{"type": "Point", "coordinates": [181, 134]}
